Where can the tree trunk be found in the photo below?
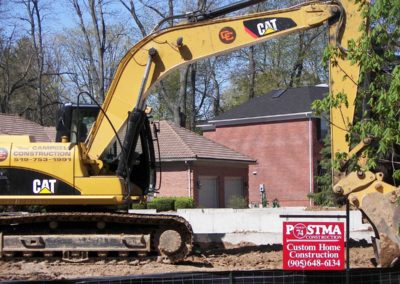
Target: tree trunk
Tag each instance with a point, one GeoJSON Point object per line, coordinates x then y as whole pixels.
{"type": "Point", "coordinates": [297, 69]}
{"type": "Point", "coordinates": [193, 72]}
{"type": "Point", "coordinates": [132, 10]}
{"type": "Point", "coordinates": [182, 96]}
{"type": "Point", "coordinates": [170, 12]}
{"type": "Point", "coordinates": [93, 81]}
{"type": "Point", "coordinates": [100, 36]}
{"type": "Point", "coordinates": [217, 98]}
{"type": "Point", "coordinates": [252, 72]}
{"type": "Point", "coordinates": [35, 22]}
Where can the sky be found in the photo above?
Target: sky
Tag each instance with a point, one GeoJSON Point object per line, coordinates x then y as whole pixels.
{"type": "Point", "coordinates": [58, 15]}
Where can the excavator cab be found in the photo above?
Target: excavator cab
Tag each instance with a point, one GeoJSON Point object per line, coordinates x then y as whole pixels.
{"type": "Point", "coordinates": [73, 125]}
{"type": "Point", "coordinates": [74, 122]}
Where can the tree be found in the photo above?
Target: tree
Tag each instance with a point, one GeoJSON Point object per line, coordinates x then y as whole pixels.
{"type": "Point", "coordinates": [34, 19]}
{"type": "Point", "coordinates": [96, 63]}
{"type": "Point", "coordinates": [377, 104]}
{"type": "Point", "coordinates": [29, 82]}
{"type": "Point", "coordinates": [81, 70]}
{"type": "Point", "coordinates": [324, 195]}
{"type": "Point", "coordinates": [15, 71]}
{"type": "Point", "coordinates": [377, 52]}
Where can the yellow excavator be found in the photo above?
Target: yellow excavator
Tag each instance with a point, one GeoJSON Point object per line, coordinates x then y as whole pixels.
{"type": "Point", "coordinates": [88, 176]}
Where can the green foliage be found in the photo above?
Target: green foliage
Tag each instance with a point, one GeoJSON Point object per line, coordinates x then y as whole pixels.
{"type": "Point", "coordinates": [237, 94]}
{"type": "Point", "coordinates": [162, 95]}
{"type": "Point", "coordinates": [328, 102]}
{"type": "Point", "coordinates": [275, 203]}
{"type": "Point", "coordinates": [162, 204]}
{"type": "Point", "coordinates": [323, 195]}
{"type": "Point", "coordinates": [139, 206]}
{"type": "Point", "coordinates": [376, 53]}
{"type": "Point", "coordinates": [237, 202]}
{"type": "Point", "coordinates": [183, 202]}
{"type": "Point", "coordinates": [151, 205]}
{"type": "Point", "coordinates": [170, 203]}
{"type": "Point", "coordinates": [377, 106]}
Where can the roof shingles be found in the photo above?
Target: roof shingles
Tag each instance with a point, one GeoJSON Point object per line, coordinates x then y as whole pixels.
{"type": "Point", "coordinates": [16, 125]}
{"type": "Point", "coordinates": [279, 102]}
{"type": "Point", "coordinates": [178, 143]}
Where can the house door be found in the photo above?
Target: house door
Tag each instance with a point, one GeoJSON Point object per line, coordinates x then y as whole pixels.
{"type": "Point", "coordinates": [233, 187]}
{"type": "Point", "coordinates": [208, 192]}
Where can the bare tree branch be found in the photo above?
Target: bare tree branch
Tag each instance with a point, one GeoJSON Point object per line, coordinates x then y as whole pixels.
{"type": "Point", "coordinates": [132, 11]}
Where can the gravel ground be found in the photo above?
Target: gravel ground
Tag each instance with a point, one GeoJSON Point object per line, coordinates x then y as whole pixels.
{"type": "Point", "coordinates": [217, 259]}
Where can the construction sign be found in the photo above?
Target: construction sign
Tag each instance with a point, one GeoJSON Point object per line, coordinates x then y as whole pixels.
{"type": "Point", "coordinates": [313, 246]}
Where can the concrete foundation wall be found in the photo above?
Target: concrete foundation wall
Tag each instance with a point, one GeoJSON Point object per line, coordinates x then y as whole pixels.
{"type": "Point", "coordinates": [259, 226]}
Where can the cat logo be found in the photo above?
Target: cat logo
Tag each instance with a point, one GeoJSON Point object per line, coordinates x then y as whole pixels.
{"type": "Point", "coordinates": [265, 26]}
{"type": "Point", "coordinates": [45, 186]}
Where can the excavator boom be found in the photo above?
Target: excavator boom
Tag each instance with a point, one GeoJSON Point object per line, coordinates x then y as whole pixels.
{"type": "Point", "coordinates": [162, 52]}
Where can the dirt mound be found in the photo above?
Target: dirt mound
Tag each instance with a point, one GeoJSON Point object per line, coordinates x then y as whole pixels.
{"type": "Point", "coordinates": [212, 259]}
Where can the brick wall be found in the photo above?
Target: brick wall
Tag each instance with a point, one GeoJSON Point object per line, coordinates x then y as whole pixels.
{"type": "Point", "coordinates": [175, 179]}
{"type": "Point", "coordinates": [282, 153]}
{"type": "Point", "coordinates": [180, 178]}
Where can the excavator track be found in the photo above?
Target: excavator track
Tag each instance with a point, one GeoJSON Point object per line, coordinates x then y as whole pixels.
{"type": "Point", "coordinates": [76, 237]}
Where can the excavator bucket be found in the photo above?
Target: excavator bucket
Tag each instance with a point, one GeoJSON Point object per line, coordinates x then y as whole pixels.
{"type": "Point", "coordinates": [378, 201]}
{"type": "Point", "coordinates": [383, 212]}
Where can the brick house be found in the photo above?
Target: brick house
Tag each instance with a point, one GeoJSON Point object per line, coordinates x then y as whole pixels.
{"type": "Point", "coordinates": [198, 167]}
{"type": "Point", "coordinates": [280, 131]}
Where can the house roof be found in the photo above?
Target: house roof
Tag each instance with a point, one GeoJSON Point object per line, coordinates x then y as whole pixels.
{"type": "Point", "coordinates": [276, 105]}
{"type": "Point", "coordinates": [178, 143]}
{"type": "Point", "coordinates": [15, 125]}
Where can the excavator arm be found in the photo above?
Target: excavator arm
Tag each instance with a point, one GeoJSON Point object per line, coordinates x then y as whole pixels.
{"type": "Point", "coordinates": [162, 52]}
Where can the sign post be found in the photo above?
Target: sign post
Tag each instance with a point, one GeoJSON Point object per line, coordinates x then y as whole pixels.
{"type": "Point", "coordinates": [313, 246]}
